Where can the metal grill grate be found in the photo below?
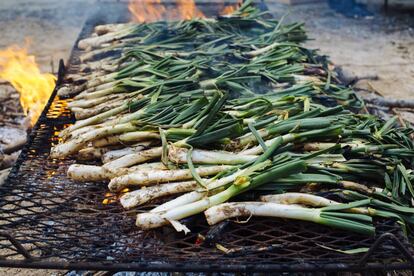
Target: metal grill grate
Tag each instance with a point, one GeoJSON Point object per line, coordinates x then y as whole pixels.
{"type": "Point", "coordinates": [63, 224]}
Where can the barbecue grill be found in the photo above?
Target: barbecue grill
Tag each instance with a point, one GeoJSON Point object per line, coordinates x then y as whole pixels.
{"type": "Point", "coordinates": [49, 221]}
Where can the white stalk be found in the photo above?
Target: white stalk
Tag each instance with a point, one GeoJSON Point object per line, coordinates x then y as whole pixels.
{"type": "Point", "coordinates": [310, 200]}
{"type": "Point", "coordinates": [106, 141]}
{"type": "Point", "coordinates": [90, 54]}
{"type": "Point", "coordinates": [82, 114]}
{"type": "Point", "coordinates": [92, 153]}
{"type": "Point", "coordinates": [134, 158]}
{"type": "Point", "coordinates": [154, 220]}
{"type": "Point", "coordinates": [225, 211]}
{"type": "Point", "coordinates": [115, 154]}
{"type": "Point", "coordinates": [102, 81]}
{"type": "Point", "coordinates": [92, 42]}
{"type": "Point", "coordinates": [179, 201]}
{"type": "Point", "coordinates": [143, 195]}
{"type": "Point", "coordinates": [359, 187]}
{"type": "Point", "coordinates": [66, 91]}
{"type": "Point", "coordinates": [94, 102]}
{"type": "Point", "coordinates": [97, 118]}
{"type": "Point", "coordinates": [67, 136]}
{"type": "Point", "coordinates": [76, 77]}
{"type": "Point", "coordinates": [137, 136]}
{"type": "Point", "coordinates": [84, 173]}
{"type": "Point", "coordinates": [263, 50]}
{"type": "Point", "coordinates": [321, 146]}
{"type": "Point", "coordinates": [99, 65]}
{"type": "Point", "coordinates": [298, 198]}
{"type": "Point", "coordinates": [128, 138]}
{"type": "Point", "coordinates": [160, 176]}
{"type": "Point", "coordinates": [109, 28]}
{"type": "Point", "coordinates": [307, 79]}
{"type": "Point", "coordinates": [79, 172]}
{"type": "Point", "coordinates": [71, 146]}
{"type": "Point", "coordinates": [179, 155]}
{"type": "Point", "coordinates": [88, 89]}
{"type": "Point", "coordinates": [100, 93]}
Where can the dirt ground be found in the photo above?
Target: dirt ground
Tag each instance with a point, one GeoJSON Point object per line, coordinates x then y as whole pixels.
{"type": "Point", "coordinates": [378, 45]}
{"type": "Point", "coordinates": [381, 44]}
{"type": "Point", "coordinates": [49, 26]}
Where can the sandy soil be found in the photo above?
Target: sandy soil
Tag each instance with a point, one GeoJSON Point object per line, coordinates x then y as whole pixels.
{"type": "Point", "coordinates": [390, 57]}
{"type": "Point", "coordinates": [49, 26]}
{"type": "Point", "coordinates": [382, 44]}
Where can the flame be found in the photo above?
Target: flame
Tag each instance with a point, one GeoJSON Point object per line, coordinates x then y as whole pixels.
{"type": "Point", "coordinates": [113, 197]}
{"type": "Point", "coordinates": [21, 70]}
{"type": "Point", "coordinates": [145, 11]}
{"type": "Point", "coordinates": [229, 9]}
{"type": "Point", "coordinates": [155, 10]}
{"type": "Point", "coordinates": [187, 9]}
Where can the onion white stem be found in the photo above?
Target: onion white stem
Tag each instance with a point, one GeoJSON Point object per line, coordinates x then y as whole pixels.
{"type": "Point", "coordinates": [225, 211]}
{"type": "Point", "coordinates": [143, 195]}
{"type": "Point", "coordinates": [79, 172]}
{"type": "Point", "coordinates": [179, 155]}
{"type": "Point", "coordinates": [160, 176]}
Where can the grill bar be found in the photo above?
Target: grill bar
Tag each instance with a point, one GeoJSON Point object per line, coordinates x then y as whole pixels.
{"type": "Point", "coordinates": [59, 224]}
{"type": "Point", "coordinates": [157, 267]}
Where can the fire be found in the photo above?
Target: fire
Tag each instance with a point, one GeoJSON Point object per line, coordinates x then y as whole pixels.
{"type": "Point", "coordinates": [229, 9]}
{"type": "Point", "coordinates": [113, 197]}
{"type": "Point", "coordinates": [187, 10]}
{"type": "Point", "coordinates": [145, 11]}
{"type": "Point", "coordinates": [34, 87]}
{"type": "Point", "coordinates": [155, 10]}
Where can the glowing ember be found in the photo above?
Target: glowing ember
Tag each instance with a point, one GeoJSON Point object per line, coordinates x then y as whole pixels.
{"type": "Point", "coordinates": [113, 197]}
{"type": "Point", "coordinates": [155, 10]}
{"type": "Point", "coordinates": [21, 70]}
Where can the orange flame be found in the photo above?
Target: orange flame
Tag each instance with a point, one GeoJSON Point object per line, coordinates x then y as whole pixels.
{"type": "Point", "coordinates": [21, 70]}
{"type": "Point", "coordinates": [145, 11]}
{"type": "Point", "coordinates": [229, 9]}
{"type": "Point", "coordinates": [155, 10]}
{"type": "Point", "coordinates": [187, 9]}
{"type": "Point", "coordinates": [113, 197]}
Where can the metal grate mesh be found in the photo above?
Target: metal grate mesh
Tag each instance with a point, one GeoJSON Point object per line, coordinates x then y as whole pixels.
{"type": "Point", "coordinates": [66, 222]}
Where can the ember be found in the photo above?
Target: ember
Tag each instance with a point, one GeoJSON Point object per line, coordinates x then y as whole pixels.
{"type": "Point", "coordinates": [113, 197]}
{"type": "Point", "coordinates": [20, 69]}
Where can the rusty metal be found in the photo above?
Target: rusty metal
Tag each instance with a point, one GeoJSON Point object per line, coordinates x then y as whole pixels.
{"type": "Point", "coordinates": [19, 248]}
{"type": "Point", "coordinates": [56, 223]}
{"type": "Point", "coordinates": [382, 240]}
